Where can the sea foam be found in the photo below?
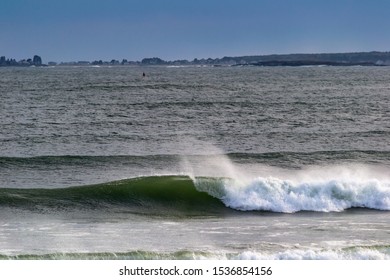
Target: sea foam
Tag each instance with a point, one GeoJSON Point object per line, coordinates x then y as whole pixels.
{"type": "Point", "coordinates": [278, 195]}
{"type": "Point", "coordinates": [338, 254]}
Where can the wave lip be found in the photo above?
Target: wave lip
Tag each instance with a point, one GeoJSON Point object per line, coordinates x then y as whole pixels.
{"type": "Point", "coordinates": [276, 195]}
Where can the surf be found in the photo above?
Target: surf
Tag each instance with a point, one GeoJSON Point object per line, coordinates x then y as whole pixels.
{"type": "Point", "coordinates": [284, 196]}
{"type": "Point", "coordinates": [381, 252]}
{"type": "Point", "coordinates": [204, 196]}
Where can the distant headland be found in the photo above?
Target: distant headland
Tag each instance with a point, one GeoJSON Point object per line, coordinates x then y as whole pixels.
{"type": "Point", "coordinates": [328, 59]}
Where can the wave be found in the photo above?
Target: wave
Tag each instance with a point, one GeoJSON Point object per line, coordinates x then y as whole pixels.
{"type": "Point", "coordinates": [181, 195]}
{"type": "Point", "coordinates": [156, 195]}
{"type": "Point", "coordinates": [351, 253]}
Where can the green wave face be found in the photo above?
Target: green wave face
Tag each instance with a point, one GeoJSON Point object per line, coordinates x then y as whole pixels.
{"type": "Point", "coordinates": [165, 195]}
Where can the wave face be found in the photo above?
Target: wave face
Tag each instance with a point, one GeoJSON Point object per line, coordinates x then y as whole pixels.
{"type": "Point", "coordinates": [181, 195]}
{"type": "Point", "coordinates": [144, 195]}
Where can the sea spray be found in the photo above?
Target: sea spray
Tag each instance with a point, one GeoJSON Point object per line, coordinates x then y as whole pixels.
{"type": "Point", "coordinates": [215, 163]}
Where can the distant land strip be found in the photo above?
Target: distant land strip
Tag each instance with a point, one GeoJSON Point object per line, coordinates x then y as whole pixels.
{"type": "Point", "coordinates": [373, 58]}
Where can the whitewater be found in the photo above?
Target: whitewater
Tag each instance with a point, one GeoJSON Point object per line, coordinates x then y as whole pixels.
{"type": "Point", "coordinates": [195, 163]}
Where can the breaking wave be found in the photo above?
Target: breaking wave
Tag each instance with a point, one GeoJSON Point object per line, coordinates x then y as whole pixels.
{"type": "Point", "coordinates": [182, 195]}
{"type": "Point", "coordinates": [276, 195]}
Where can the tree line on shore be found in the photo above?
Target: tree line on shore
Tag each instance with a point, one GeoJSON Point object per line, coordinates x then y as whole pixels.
{"type": "Point", "coordinates": [35, 61]}
{"type": "Point", "coordinates": [331, 59]}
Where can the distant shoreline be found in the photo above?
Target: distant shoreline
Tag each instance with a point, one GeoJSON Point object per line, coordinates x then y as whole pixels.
{"type": "Point", "coordinates": [323, 59]}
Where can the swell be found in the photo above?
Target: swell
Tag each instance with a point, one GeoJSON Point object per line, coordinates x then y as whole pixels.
{"type": "Point", "coordinates": [299, 159]}
{"type": "Point", "coordinates": [292, 159]}
{"type": "Point", "coordinates": [156, 195]}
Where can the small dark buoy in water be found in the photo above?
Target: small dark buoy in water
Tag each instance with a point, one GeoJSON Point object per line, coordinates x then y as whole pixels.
{"type": "Point", "coordinates": [143, 74]}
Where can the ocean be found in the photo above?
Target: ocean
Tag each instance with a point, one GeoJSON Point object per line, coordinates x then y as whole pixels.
{"type": "Point", "coordinates": [195, 163]}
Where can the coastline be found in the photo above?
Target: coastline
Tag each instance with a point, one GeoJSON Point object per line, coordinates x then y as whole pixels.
{"type": "Point", "coordinates": [373, 58]}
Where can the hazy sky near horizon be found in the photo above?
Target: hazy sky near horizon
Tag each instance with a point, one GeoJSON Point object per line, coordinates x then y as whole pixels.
{"type": "Point", "coordinates": [72, 30]}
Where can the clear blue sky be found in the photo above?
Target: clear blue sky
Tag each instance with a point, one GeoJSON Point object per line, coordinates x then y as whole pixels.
{"type": "Point", "coordinates": [71, 30]}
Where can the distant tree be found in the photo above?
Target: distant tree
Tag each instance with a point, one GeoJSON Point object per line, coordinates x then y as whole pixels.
{"type": "Point", "coordinates": [96, 62]}
{"type": "Point", "coordinates": [153, 61]}
{"type": "Point", "coordinates": [114, 62]}
{"type": "Point", "coordinates": [37, 60]}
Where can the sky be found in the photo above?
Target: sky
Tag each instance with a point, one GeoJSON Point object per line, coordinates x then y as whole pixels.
{"type": "Point", "coordinates": [73, 30]}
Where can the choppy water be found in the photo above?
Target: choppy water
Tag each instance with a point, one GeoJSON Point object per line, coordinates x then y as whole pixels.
{"type": "Point", "coordinates": [195, 162]}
